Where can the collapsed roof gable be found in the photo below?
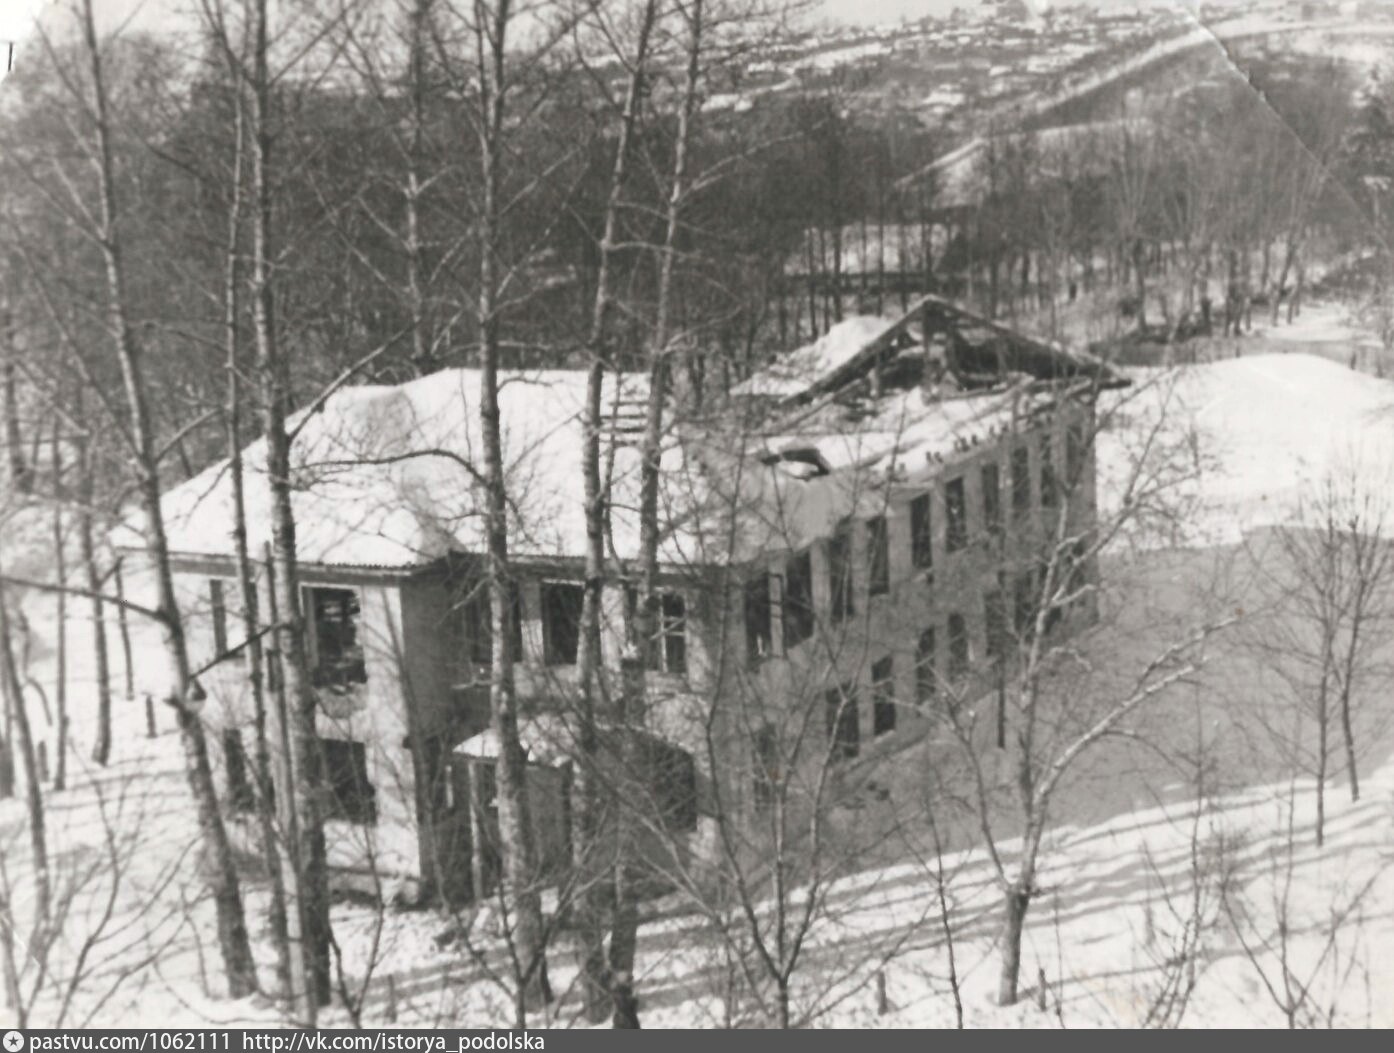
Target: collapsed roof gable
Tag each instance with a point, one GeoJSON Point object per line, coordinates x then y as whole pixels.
{"type": "Point", "coordinates": [975, 352]}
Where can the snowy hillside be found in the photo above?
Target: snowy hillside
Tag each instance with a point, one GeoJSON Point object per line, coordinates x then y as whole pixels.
{"type": "Point", "coordinates": [1116, 905]}
{"type": "Point", "coordinates": [1267, 428]}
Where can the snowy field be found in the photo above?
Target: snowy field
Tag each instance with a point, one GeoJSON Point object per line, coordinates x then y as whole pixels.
{"type": "Point", "coordinates": [1129, 913]}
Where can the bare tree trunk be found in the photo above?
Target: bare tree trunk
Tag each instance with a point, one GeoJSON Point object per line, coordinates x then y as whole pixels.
{"type": "Point", "coordinates": [1289, 254]}
{"type": "Point", "coordinates": [14, 996]}
{"type": "Point", "coordinates": [13, 693]}
{"type": "Point", "coordinates": [281, 760]}
{"type": "Point", "coordinates": [1368, 569]}
{"type": "Point", "coordinates": [1140, 283]}
{"type": "Point", "coordinates": [422, 342]}
{"type": "Point", "coordinates": [1323, 748]}
{"type": "Point", "coordinates": [301, 703]}
{"type": "Point", "coordinates": [290, 965]}
{"type": "Point", "coordinates": [60, 657]}
{"type": "Point", "coordinates": [1015, 904]}
{"type": "Point", "coordinates": [101, 745]}
{"type": "Point", "coordinates": [219, 868]}
{"type": "Point", "coordinates": [781, 994]}
{"type": "Point", "coordinates": [946, 920]}
{"type": "Point", "coordinates": [588, 819]}
{"type": "Point", "coordinates": [623, 938]}
{"type": "Point", "coordinates": [20, 471]}
{"type": "Point", "coordinates": [1248, 287]}
{"type": "Point", "coordinates": [1266, 269]}
{"type": "Point", "coordinates": [624, 930]}
{"type": "Point", "coordinates": [123, 631]}
{"type": "Point", "coordinates": [7, 758]}
{"type": "Point", "coordinates": [515, 818]}
{"type": "Point", "coordinates": [1349, 738]}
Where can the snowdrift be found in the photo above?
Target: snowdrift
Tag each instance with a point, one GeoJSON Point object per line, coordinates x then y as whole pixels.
{"type": "Point", "coordinates": [1262, 435]}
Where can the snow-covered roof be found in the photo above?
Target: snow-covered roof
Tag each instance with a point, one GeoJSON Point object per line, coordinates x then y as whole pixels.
{"type": "Point", "coordinates": [978, 351]}
{"type": "Point", "coordinates": [545, 739]}
{"type": "Point", "coordinates": [791, 373]}
{"type": "Point", "coordinates": [390, 477]}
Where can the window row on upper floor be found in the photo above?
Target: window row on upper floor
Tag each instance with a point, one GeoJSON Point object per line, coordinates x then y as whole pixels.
{"type": "Point", "coordinates": [791, 590]}
{"type": "Point", "coordinates": [334, 643]}
{"type": "Point", "coordinates": [560, 610]}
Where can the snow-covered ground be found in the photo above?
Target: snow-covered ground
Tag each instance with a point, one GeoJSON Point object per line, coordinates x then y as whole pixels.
{"type": "Point", "coordinates": [1133, 864]}
{"type": "Point", "coordinates": [1269, 429]}
{"type": "Point", "coordinates": [1114, 907]}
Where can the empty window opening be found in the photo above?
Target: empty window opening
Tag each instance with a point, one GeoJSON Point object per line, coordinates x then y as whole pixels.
{"type": "Point", "coordinates": [759, 617]}
{"type": "Point", "coordinates": [217, 607]}
{"type": "Point", "coordinates": [1021, 483]}
{"type": "Point", "coordinates": [1050, 490]}
{"type": "Point", "coordinates": [218, 611]}
{"type": "Point", "coordinates": [955, 515]}
{"type": "Point", "coordinates": [992, 498]}
{"type": "Point", "coordinates": [883, 696]}
{"type": "Point", "coordinates": [798, 599]}
{"type": "Point", "coordinates": [561, 621]}
{"type": "Point", "coordinates": [926, 667]}
{"type": "Point", "coordinates": [1076, 454]}
{"type": "Point", "coordinates": [921, 538]}
{"type": "Point", "coordinates": [878, 556]}
{"type": "Point", "coordinates": [960, 650]}
{"type": "Point", "coordinates": [668, 653]}
{"type": "Point", "coordinates": [239, 784]}
{"type": "Point", "coordinates": [995, 622]}
{"type": "Point", "coordinates": [1024, 605]}
{"type": "Point", "coordinates": [351, 796]}
{"type": "Point", "coordinates": [840, 577]}
{"type": "Point", "coordinates": [476, 621]}
{"type": "Point", "coordinates": [338, 654]}
{"type": "Point", "coordinates": [673, 780]}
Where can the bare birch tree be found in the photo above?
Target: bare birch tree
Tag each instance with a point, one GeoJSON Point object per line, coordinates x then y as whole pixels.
{"type": "Point", "coordinates": [105, 217]}
{"type": "Point", "coordinates": [593, 693]}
